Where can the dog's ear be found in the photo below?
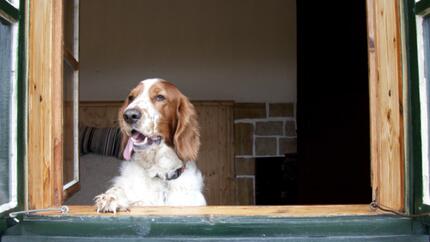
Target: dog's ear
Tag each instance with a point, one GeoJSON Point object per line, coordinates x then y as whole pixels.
{"type": "Point", "coordinates": [187, 134]}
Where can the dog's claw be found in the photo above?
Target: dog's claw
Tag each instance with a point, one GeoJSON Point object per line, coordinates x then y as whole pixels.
{"type": "Point", "coordinates": [106, 203]}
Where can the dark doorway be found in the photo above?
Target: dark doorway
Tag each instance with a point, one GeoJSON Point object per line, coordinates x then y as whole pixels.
{"type": "Point", "coordinates": [333, 103]}
{"type": "Point", "coordinates": [276, 180]}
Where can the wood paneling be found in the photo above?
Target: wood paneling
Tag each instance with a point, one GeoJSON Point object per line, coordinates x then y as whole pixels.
{"type": "Point", "coordinates": [216, 157]}
{"type": "Point", "coordinates": [269, 211]}
{"type": "Point", "coordinates": [386, 87]}
{"type": "Point", "coordinates": [99, 114]}
{"type": "Point", "coordinates": [45, 103]}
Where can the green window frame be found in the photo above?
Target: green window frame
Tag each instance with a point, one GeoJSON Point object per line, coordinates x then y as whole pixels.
{"type": "Point", "coordinates": [417, 16]}
{"type": "Point", "coordinates": [12, 14]}
{"type": "Point", "coordinates": [351, 227]}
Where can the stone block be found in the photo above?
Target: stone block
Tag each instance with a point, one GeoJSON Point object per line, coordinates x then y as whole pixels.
{"type": "Point", "coordinates": [269, 128]}
{"type": "Point", "coordinates": [265, 146]}
{"type": "Point", "coordinates": [243, 138]}
{"type": "Point", "coordinates": [245, 166]}
{"type": "Point", "coordinates": [245, 191]}
{"type": "Point", "coordinates": [287, 145]}
{"type": "Point", "coordinates": [290, 128]}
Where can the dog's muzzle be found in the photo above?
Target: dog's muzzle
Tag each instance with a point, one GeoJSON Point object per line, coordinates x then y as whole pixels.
{"type": "Point", "coordinates": [141, 141]}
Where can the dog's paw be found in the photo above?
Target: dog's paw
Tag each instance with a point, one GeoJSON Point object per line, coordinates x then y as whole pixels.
{"type": "Point", "coordinates": [108, 203]}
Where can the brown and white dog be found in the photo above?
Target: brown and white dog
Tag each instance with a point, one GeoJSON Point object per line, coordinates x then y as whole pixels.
{"type": "Point", "coordinates": [161, 140]}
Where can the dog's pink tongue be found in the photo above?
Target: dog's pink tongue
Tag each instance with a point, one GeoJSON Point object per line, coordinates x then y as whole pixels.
{"type": "Point", "coordinates": [128, 150]}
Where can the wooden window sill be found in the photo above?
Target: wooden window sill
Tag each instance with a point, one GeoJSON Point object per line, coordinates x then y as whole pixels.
{"type": "Point", "coordinates": [269, 211]}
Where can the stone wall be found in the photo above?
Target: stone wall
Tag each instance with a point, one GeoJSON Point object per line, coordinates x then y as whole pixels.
{"type": "Point", "coordinates": [260, 130]}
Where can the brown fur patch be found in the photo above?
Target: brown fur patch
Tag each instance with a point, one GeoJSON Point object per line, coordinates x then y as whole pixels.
{"type": "Point", "coordinates": [166, 108]}
{"type": "Point", "coordinates": [178, 119]}
{"type": "Point", "coordinates": [187, 134]}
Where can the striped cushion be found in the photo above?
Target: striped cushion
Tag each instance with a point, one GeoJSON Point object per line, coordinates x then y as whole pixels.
{"type": "Point", "coordinates": [103, 141]}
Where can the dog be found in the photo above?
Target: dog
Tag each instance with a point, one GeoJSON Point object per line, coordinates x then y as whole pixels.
{"type": "Point", "coordinates": [161, 141]}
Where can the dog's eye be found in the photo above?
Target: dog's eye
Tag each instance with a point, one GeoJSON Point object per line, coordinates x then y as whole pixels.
{"type": "Point", "coordinates": [130, 98]}
{"type": "Point", "coordinates": [160, 98]}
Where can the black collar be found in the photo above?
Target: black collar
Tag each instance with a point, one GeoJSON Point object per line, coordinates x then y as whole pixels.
{"type": "Point", "coordinates": [177, 174]}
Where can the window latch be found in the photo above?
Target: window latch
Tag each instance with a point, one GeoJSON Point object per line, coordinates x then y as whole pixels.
{"type": "Point", "coordinates": [14, 215]}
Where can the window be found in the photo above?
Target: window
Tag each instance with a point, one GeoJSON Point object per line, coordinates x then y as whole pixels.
{"type": "Point", "coordinates": [71, 96]}
{"type": "Point", "coordinates": [45, 147]}
{"type": "Point", "coordinates": [418, 27]}
{"type": "Point", "coordinates": [8, 105]}
{"type": "Point", "coordinates": [386, 182]}
{"type": "Point", "coordinates": [423, 29]}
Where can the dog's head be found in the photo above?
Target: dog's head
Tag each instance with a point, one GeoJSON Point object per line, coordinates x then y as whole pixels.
{"type": "Point", "coordinates": [156, 111]}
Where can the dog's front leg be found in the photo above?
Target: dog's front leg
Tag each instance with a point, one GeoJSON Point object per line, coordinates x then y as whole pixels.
{"type": "Point", "coordinates": [112, 200]}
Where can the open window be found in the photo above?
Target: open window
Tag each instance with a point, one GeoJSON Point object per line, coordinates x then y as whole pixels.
{"type": "Point", "coordinates": [386, 117]}
{"type": "Point", "coordinates": [418, 33]}
{"type": "Point", "coordinates": [71, 97]}
{"type": "Point", "coordinates": [8, 162]}
{"type": "Point", "coordinates": [11, 119]}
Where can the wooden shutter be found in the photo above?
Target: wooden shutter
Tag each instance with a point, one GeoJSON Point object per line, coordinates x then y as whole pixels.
{"type": "Point", "coordinates": [386, 103]}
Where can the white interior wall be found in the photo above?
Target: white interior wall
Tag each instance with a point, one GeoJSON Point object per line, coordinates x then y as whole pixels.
{"type": "Point", "coordinates": [242, 50]}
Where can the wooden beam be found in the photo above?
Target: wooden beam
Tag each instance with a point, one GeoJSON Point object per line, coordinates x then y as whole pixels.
{"type": "Point", "coordinates": [71, 190]}
{"type": "Point", "coordinates": [45, 102]}
{"type": "Point", "coordinates": [70, 59]}
{"type": "Point", "coordinates": [386, 103]}
{"type": "Point", "coordinates": [269, 211]}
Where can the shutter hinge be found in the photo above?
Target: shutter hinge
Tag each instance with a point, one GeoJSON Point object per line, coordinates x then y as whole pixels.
{"type": "Point", "coordinates": [62, 209]}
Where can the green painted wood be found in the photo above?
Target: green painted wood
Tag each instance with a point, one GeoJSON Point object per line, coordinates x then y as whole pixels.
{"type": "Point", "coordinates": [414, 194]}
{"type": "Point", "coordinates": [10, 10]}
{"type": "Point", "coordinates": [392, 238]}
{"type": "Point", "coordinates": [422, 7]}
{"type": "Point", "coordinates": [21, 110]}
{"type": "Point", "coordinates": [357, 228]}
{"type": "Point", "coordinates": [414, 181]}
{"type": "Point", "coordinates": [361, 228]}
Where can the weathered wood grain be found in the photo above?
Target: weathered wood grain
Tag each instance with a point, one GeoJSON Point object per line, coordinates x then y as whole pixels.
{"type": "Point", "coordinates": [269, 211]}
{"type": "Point", "coordinates": [45, 104]}
{"type": "Point", "coordinates": [386, 103]}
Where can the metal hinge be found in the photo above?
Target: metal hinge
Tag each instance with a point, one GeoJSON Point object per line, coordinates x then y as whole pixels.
{"type": "Point", "coordinates": [62, 209]}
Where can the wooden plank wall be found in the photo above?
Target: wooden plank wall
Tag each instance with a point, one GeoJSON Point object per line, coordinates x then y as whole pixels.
{"type": "Point", "coordinates": [216, 158]}
{"type": "Point", "coordinates": [99, 114]}
{"type": "Point", "coordinates": [386, 103]}
{"type": "Point", "coordinates": [45, 104]}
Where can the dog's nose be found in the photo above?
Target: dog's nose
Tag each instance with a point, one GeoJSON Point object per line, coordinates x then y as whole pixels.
{"type": "Point", "coordinates": [131, 116]}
